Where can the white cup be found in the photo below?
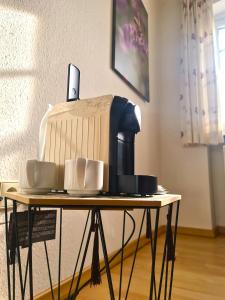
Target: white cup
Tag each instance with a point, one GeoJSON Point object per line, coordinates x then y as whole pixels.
{"type": "Point", "coordinates": [83, 176]}
{"type": "Point", "coordinates": [37, 177]}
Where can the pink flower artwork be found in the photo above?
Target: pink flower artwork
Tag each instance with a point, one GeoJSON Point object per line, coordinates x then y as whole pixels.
{"type": "Point", "coordinates": [130, 45]}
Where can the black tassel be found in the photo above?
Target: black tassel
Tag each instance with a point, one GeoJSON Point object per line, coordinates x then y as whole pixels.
{"type": "Point", "coordinates": [95, 267]}
{"type": "Point", "coordinates": [148, 224]}
{"type": "Point", "coordinates": [93, 221]}
{"type": "Point", "coordinates": [12, 240]}
{"type": "Point", "coordinates": [170, 245]}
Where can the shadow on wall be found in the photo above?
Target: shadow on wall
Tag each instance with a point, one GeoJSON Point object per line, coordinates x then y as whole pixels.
{"type": "Point", "coordinates": [18, 32]}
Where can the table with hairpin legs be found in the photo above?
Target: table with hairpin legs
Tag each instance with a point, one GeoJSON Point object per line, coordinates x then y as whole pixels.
{"type": "Point", "coordinates": [150, 207]}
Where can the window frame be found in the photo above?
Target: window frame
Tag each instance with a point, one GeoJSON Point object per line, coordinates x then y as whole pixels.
{"type": "Point", "coordinates": [219, 24]}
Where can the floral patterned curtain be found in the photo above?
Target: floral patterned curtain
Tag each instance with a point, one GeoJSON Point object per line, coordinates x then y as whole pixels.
{"type": "Point", "coordinates": [200, 113]}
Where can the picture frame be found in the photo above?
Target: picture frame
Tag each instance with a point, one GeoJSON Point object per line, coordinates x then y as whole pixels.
{"type": "Point", "coordinates": [130, 48]}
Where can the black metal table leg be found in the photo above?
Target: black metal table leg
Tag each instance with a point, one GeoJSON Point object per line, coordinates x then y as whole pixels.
{"type": "Point", "coordinates": [26, 272]}
{"type": "Point", "coordinates": [174, 243]}
{"type": "Point", "coordinates": [17, 247]}
{"type": "Point", "coordinates": [49, 270]}
{"type": "Point", "coordinates": [169, 254]}
{"type": "Point", "coordinates": [60, 253]}
{"type": "Point", "coordinates": [14, 280]}
{"type": "Point", "coordinates": [104, 248]}
{"type": "Point", "coordinates": [169, 246]}
{"type": "Point", "coordinates": [135, 254]}
{"type": "Point", "coordinates": [164, 254]}
{"type": "Point", "coordinates": [154, 254]}
{"type": "Point", "coordinates": [82, 263]}
{"type": "Point", "coordinates": [7, 249]}
{"type": "Point", "coordinates": [121, 261]}
{"type": "Point", "coordinates": [48, 266]}
{"type": "Point", "coordinates": [78, 256]}
{"type": "Point", "coordinates": [150, 236]}
{"type": "Point", "coordinates": [30, 263]}
{"type": "Point", "coordinates": [166, 277]}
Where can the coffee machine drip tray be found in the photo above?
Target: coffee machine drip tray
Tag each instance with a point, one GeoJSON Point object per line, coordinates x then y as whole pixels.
{"type": "Point", "coordinates": [137, 184]}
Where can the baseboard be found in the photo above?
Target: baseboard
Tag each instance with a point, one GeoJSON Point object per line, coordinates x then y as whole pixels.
{"type": "Point", "coordinates": [65, 284]}
{"type": "Point", "coordinates": [210, 233]}
{"type": "Point", "coordinates": [220, 230]}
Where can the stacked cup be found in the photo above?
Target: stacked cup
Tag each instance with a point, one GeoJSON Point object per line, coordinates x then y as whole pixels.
{"type": "Point", "coordinates": [82, 176]}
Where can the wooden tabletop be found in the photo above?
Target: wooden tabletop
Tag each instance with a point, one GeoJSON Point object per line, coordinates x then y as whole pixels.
{"type": "Point", "coordinates": [106, 201]}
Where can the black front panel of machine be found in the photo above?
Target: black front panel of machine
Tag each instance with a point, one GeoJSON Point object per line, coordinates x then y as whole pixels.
{"type": "Point", "coordinates": [125, 154]}
{"type": "Point", "coordinates": [123, 127]}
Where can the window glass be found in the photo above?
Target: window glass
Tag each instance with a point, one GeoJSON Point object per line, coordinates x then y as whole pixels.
{"type": "Point", "coordinates": [221, 37]}
{"type": "Point", "coordinates": [222, 61]}
{"type": "Point", "coordinates": [220, 58]}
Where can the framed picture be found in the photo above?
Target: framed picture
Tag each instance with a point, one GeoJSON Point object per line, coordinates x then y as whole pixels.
{"type": "Point", "coordinates": [130, 45]}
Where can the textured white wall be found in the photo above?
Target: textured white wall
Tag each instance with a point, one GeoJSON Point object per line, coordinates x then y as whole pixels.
{"type": "Point", "coordinates": [185, 170]}
{"type": "Point", "coordinates": [38, 40]}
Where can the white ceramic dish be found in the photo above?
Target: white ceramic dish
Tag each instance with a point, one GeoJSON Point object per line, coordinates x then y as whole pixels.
{"type": "Point", "coordinates": [35, 191]}
{"type": "Point", "coordinates": [83, 193]}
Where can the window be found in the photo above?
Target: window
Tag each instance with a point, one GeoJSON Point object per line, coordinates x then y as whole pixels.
{"type": "Point", "coordinates": [221, 48]}
{"type": "Point", "coordinates": [220, 58]}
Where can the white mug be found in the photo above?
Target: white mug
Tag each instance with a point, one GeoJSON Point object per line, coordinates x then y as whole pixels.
{"type": "Point", "coordinates": [83, 176]}
{"type": "Point", "coordinates": [37, 177]}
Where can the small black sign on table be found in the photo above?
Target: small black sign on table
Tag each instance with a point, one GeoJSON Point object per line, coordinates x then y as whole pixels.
{"type": "Point", "coordinates": [43, 229]}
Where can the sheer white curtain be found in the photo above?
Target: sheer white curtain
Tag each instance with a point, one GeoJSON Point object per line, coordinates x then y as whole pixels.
{"type": "Point", "coordinates": [200, 110]}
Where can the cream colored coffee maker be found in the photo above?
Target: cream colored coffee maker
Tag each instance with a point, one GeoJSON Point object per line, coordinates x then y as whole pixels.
{"type": "Point", "coordinates": [101, 128]}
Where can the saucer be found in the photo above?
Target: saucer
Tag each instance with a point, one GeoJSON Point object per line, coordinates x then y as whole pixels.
{"type": "Point", "coordinates": [35, 191]}
{"type": "Point", "coordinates": [83, 193]}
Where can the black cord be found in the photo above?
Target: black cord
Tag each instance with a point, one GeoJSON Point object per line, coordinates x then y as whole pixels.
{"type": "Point", "coordinates": [117, 253]}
